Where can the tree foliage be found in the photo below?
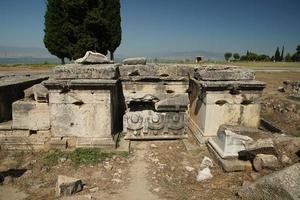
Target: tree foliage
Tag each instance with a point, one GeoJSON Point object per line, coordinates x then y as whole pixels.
{"type": "Point", "coordinates": [227, 56]}
{"type": "Point", "coordinates": [251, 56]}
{"type": "Point", "coordinates": [236, 56]}
{"type": "Point", "coordinates": [277, 56]}
{"type": "Point", "coordinates": [56, 40]}
{"type": "Point", "coordinates": [77, 26]}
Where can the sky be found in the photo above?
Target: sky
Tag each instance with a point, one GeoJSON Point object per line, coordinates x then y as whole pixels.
{"type": "Point", "coordinates": [150, 26]}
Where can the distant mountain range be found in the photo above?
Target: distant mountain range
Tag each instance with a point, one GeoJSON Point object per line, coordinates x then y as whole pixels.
{"type": "Point", "coordinates": [12, 55]}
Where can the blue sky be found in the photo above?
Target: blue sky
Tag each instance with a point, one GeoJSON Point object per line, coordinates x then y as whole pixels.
{"type": "Point", "coordinates": [172, 25]}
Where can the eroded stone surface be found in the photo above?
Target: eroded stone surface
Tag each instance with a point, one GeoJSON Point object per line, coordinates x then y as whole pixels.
{"type": "Point", "coordinates": [93, 58]}
{"type": "Point", "coordinates": [135, 61]}
{"type": "Point", "coordinates": [284, 184]}
{"type": "Point", "coordinates": [67, 186]}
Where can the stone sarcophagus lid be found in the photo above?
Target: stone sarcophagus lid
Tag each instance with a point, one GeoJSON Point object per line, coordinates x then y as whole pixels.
{"type": "Point", "coordinates": [156, 100]}
{"type": "Point", "coordinates": [83, 102]}
{"type": "Point", "coordinates": [223, 95]}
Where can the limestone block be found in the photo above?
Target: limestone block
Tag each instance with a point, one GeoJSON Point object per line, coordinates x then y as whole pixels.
{"type": "Point", "coordinates": [30, 115]}
{"type": "Point", "coordinates": [79, 71]}
{"type": "Point", "coordinates": [81, 113]}
{"type": "Point", "coordinates": [135, 61]}
{"type": "Point", "coordinates": [229, 144]}
{"type": "Point", "coordinates": [284, 184]}
{"type": "Point", "coordinates": [93, 58]}
{"type": "Point", "coordinates": [66, 186]}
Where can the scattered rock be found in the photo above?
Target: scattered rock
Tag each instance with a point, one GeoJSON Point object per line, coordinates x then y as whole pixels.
{"type": "Point", "coordinates": [284, 184]}
{"type": "Point", "coordinates": [204, 174]}
{"type": "Point", "coordinates": [286, 160]}
{"type": "Point", "coordinates": [262, 161]}
{"type": "Point", "coordinates": [95, 189]}
{"type": "Point", "coordinates": [281, 89]}
{"type": "Point", "coordinates": [206, 162]}
{"type": "Point", "coordinates": [189, 169]}
{"type": "Point", "coordinates": [93, 58]}
{"type": "Point", "coordinates": [67, 186]}
{"type": "Point", "coordinates": [153, 146]}
{"type": "Point", "coordinates": [156, 190]}
{"type": "Point", "coordinates": [116, 180]}
{"type": "Point", "coordinates": [135, 61]}
{"type": "Point", "coordinates": [8, 180]}
{"type": "Point", "coordinates": [255, 176]}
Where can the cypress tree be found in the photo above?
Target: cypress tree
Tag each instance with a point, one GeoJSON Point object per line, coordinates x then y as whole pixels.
{"type": "Point", "coordinates": [113, 19]}
{"type": "Point", "coordinates": [277, 55]}
{"type": "Point", "coordinates": [55, 38]}
{"type": "Point", "coordinates": [282, 54]}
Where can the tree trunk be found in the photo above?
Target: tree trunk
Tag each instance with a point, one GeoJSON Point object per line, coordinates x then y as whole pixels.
{"type": "Point", "coordinates": [62, 61]}
{"type": "Point", "coordinates": [111, 55]}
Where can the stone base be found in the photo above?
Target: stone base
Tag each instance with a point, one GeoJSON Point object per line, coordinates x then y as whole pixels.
{"type": "Point", "coordinates": [196, 131]}
{"type": "Point", "coordinates": [230, 165]}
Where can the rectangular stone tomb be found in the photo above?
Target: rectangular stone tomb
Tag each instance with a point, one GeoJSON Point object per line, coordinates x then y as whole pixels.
{"type": "Point", "coordinates": [84, 109]}
{"type": "Point", "coordinates": [156, 101]}
{"type": "Point", "coordinates": [216, 102]}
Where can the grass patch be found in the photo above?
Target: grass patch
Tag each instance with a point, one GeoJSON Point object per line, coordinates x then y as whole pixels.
{"type": "Point", "coordinates": [81, 156]}
{"type": "Point", "coordinates": [52, 158]}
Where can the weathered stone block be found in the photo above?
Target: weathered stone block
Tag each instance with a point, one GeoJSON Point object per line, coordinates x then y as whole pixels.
{"type": "Point", "coordinates": [30, 115]}
{"type": "Point", "coordinates": [67, 186]}
{"type": "Point", "coordinates": [81, 113]}
{"type": "Point", "coordinates": [284, 184]}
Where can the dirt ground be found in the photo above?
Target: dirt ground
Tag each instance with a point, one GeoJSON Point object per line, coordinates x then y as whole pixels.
{"type": "Point", "coordinates": [153, 170]}
{"type": "Point", "coordinates": [276, 107]}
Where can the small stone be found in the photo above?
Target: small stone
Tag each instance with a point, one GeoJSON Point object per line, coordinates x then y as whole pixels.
{"type": "Point", "coordinates": [189, 169]}
{"type": "Point", "coordinates": [67, 186]}
{"type": "Point", "coordinates": [286, 160]}
{"type": "Point", "coordinates": [281, 89]}
{"type": "Point", "coordinates": [206, 162]}
{"type": "Point", "coordinates": [156, 190]}
{"type": "Point", "coordinates": [62, 160]}
{"type": "Point", "coordinates": [108, 167]}
{"type": "Point", "coordinates": [8, 180]}
{"type": "Point", "coordinates": [204, 174]}
{"type": "Point", "coordinates": [95, 189]}
{"type": "Point", "coordinates": [172, 168]}
{"type": "Point", "coordinates": [153, 146]}
{"type": "Point", "coordinates": [116, 180]}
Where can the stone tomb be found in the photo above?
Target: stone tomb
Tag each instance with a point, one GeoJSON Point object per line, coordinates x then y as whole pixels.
{"type": "Point", "coordinates": [223, 95]}
{"type": "Point", "coordinates": [83, 104]}
{"type": "Point", "coordinates": [156, 100]}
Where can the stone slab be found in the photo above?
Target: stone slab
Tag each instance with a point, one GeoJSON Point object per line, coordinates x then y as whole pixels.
{"type": "Point", "coordinates": [80, 71]}
{"type": "Point", "coordinates": [30, 115]}
{"type": "Point", "coordinates": [230, 165]}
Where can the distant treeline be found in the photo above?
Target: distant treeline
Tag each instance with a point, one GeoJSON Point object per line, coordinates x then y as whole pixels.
{"type": "Point", "coordinates": [277, 57]}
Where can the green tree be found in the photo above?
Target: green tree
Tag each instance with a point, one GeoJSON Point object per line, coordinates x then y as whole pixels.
{"type": "Point", "coordinates": [277, 55]}
{"type": "Point", "coordinates": [282, 54]}
{"type": "Point", "coordinates": [73, 27]}
{"type": "Point", "coordinates": [55, 39]}
{"type": "Point", "coordinates": [236, 56]}
{"type": "Point", "coordinates": [113, 19]}
{"type": "Point", "coordinates": [296, 56]}
{"type": "Point", "coordinates": [288, 58]}
{"type": "Point", "coordinates": [227, 56]}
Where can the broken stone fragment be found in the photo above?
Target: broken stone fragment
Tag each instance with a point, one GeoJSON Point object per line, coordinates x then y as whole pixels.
{"type": "Point", "coordinates": [262, 161]}
{"type": "Point", "coordinates": [93, 58]}
{"type": "Point", "coordinates": [284, 184]}
{"type": "Point", "coordinates": [67, 186]}
{"type": "Point", "coordinates": [204, 174]}
{"type": "Point", "coordinates": [135, 61]}
{"type": "Point", "coordinates": [206, 162]}
{"type": "Point", "coordinates": [37, 92]}
{"type": "Point", "coordinates": [261, 146]}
